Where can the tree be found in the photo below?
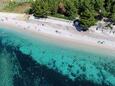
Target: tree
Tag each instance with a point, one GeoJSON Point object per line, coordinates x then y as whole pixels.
{"type": "Point", "coordinates": [113, 13]}
{"type": "Point", "coordinates": [87, 17]}
{"type": "Point", "coordinates": [71, 11]}
{"type": "Point", "coordinates": [40, 8]}
{"type": "Point", "coordinates": [99, 7]}
{"type": "Point", "coordinates": [53, 6]}
{"type": "Point", "coordinates": [108, 5]}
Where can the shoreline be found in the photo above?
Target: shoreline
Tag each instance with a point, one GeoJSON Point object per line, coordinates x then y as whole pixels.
{"type": "Point", "coordinates": [62, 36]}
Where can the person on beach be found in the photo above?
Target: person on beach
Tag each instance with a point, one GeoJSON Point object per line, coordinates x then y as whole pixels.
{"type": "Point", "coordinates": [42, 24]}
{"type": "Point", "coordinates": [6, 18]}
{"type": "Point", "coordinates": [24, 28]}
{"type": "Point", "coordinates": [101, 42]}
{"type": "Point", "coordinates": [2, 20]}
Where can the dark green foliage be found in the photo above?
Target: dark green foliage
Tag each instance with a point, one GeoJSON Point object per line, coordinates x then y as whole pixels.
{"type": "Point", "coordinates": [71, 11]}
{"type": "Point", "coordinates": [40, 8]}
{"type": "Point", "coordinates": [86, 10]}
{"type": "Point", "coordinates": [113, 11]}
{"type": "Point", "coordinates": [52, 4]}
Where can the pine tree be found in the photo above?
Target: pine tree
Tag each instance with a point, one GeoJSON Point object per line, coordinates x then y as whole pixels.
{"type": "Point", "coordinates": [40, 8]}
{"type": "Point", "coordinates": [71, 11]}
{"type": "Point", "coordinates": [99, 7]}
{"type": "Point", "coordinates": [113, 13]}
{"type": "Point", "coordinates": [53, 6]}
{"type": "Point", "coordinates": [87, 16]}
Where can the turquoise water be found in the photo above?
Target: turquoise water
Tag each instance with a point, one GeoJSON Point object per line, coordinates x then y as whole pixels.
{"type": "Point", "coordinates": [71, 67]}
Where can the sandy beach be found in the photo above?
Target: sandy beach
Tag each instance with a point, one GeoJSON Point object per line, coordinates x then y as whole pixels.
{"type": "Point", "coordinates": [56, 30]}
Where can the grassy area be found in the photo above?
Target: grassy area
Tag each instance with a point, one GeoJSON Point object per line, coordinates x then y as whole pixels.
{"type": "Point", "coordinates": [16, 7]}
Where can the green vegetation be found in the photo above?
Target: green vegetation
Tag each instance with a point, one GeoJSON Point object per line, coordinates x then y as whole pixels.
{"type": "Point", "coordinates": [18, 7]}
{"type": "Point", "coordinates": [88, 11]}
{"type": "Point", "coordinates": [11, 6]}
{"type": "Point", "coordinates": [60, 8]}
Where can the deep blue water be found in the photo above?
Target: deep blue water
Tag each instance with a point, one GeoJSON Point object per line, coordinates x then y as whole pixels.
{"type": "Point", "coordinates": [25, 61]}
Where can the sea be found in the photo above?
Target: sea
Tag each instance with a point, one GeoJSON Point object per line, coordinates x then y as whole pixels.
{"type": "Point", "coordinates": [27, 61]}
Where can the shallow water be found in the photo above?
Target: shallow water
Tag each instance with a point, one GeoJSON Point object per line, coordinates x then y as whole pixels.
{"type": "Point", "coordinates": [25, 61]}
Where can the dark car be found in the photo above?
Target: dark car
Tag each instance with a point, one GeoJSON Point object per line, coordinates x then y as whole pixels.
{"type": "Point", "coordinates": [78, 26]}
